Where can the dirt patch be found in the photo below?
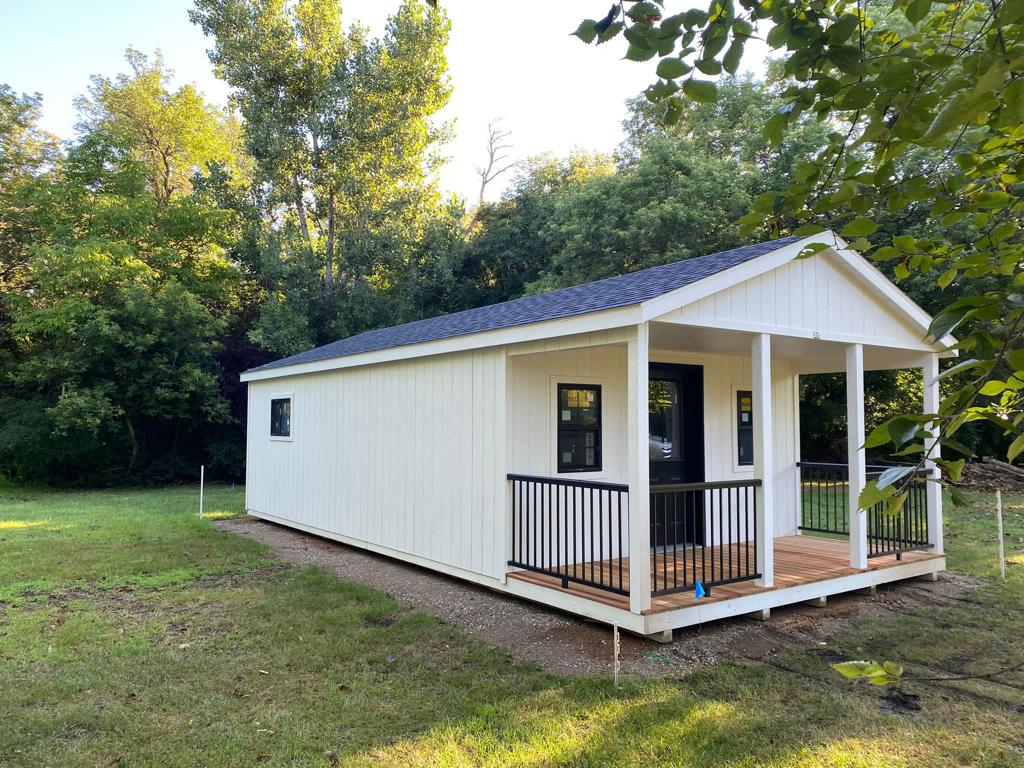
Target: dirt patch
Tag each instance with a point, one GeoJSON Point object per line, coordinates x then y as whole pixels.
{"type": "Point", "coordinates": [567, 645]}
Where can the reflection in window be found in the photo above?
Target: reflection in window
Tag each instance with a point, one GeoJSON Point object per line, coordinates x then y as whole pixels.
{"type": "Point", "coordinates": [744, 428]}
{"type": "Point", "coordinates": [663, 420]}
{"type": "Point", "coordinates": [579, 428]}
{"type": "Point", "coordinates": [281, 417]}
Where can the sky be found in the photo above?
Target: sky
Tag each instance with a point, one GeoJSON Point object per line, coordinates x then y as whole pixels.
{"type": "Point", "coordinates": [512, 61]}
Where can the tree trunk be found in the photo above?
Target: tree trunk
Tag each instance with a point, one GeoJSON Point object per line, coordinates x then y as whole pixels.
{"type": "Point", "coordinates": [300, 209]}
{"type": "Point", "coordinates": [135, 442]}
{"type": "Point", "coordinates": [329, 267]}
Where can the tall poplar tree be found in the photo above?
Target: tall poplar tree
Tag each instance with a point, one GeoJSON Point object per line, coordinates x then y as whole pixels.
{"type": "Point", "coordinates": [339, 125]}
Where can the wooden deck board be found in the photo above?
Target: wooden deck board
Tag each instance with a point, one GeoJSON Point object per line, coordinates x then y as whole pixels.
{"type": "Point", "coordinates": [798, 560]}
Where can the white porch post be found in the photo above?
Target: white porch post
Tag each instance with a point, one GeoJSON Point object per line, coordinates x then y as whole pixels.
{"type": "Point", "coordinates": [639, 474]}
{"type": "Point", "coordinates": [855, 453]}
{"type": "Point", "coordinates": [934, 490]}
{"type": "Point", "coordinates": [764, 464]}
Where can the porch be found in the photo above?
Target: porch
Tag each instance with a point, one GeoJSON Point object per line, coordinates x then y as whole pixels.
{"type": "Point", "coordinates": [799, 561]}
{"type": "Point", "coordinates": [660, 482]}
{"type": "Point", "coordinates": [706, 547]}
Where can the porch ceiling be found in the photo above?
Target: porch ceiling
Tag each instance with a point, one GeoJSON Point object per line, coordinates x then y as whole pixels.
{"type": "Point", "coordinates": [808, 355]}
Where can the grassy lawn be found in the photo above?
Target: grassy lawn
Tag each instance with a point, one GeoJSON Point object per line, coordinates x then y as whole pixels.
{"type": "Point", "coordinates": [132, 633]}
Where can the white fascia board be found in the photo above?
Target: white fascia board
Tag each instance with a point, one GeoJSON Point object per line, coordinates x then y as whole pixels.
{"type": "Point", "coordinates": [667, 302]}
{"type": "Point", "coordinates": [583, 323]}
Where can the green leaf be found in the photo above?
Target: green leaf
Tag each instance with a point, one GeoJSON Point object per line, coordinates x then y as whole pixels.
{"type": "Point", "coordinates": [1015, 449]}
{"type": "Point", "coordinates": [879, 436]}
{"type": "Point", "coordinates": [993, 388]}
{"type": "Point", "coordinates": [709, 66]}
{"type": "Point", "coordinates": [859, 228]}
{"type": "Point", "coordinates": [872, 671]}
{"type": "Point", "coordinates": [947, 277]}
{"type": "Point", "coordinates": [671, 68]}
{"type": "Point", "coordinates": [840, 31]}
{"type": "Point", "coordinates": [586, 31]}
{"type": "Point", "coordinates": [701, 90]}
{"type": "Point", "coordinates": [612, 31]}
{"type": "Point", "coordinates": [893, 475]}
{"type": "Point", "coordinates": [958, 497]}
{"type": "Point", "coordinates": [644, 11]}
{"type": "Point", "coordinates": [871, 494]}
{"type": "Point", "coordinates": [954, 467]}
{"type": "Point", "coordinates": [639, 53]}
{"type": "Point", "coordinates": [902, 430]}
{"type": "Point", "coordinates": [917, 10]}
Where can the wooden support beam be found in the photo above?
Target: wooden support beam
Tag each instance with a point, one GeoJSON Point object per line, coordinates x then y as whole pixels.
{"type": "Point", "coordinates": [855, 454]}
{"type": "Point", "coordinates": [933, 492]}
{"type": "Point", "coordinates": [764, 465]}
{"type": "Point", "coordinates": [637, 430]}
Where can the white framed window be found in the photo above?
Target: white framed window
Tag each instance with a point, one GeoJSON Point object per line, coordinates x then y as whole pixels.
{"type": "Point", "coordinates": [743, 428]}
{"type": "Point", "coordinates": [577, 426]}
{"type": "Point", "coordinates": [281, 416]}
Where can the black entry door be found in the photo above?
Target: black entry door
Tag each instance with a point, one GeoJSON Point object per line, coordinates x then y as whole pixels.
{"type": "Point", "coordinates": [676, 449]}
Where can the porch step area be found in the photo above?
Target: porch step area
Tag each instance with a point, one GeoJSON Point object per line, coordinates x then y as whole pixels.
{"type": "Point", "coordinates": [799, 560]}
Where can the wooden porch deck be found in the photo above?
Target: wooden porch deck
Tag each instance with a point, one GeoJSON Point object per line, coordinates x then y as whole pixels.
{"type": "Point", "coordinates": [798, 560]}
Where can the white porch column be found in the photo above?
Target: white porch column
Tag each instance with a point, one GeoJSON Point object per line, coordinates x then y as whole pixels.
{"type": "Point", "coordinates": [764, 464]}
{"type": "Point", "coordinates": [855, 454]}
{"type": "Point", "coordinates": [934, 490]}
{"type": "Point", "coordinates": [637, 429]}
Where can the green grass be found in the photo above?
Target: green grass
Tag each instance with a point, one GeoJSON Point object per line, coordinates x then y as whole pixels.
{"type": "Point", "coordinates": [131, 633]}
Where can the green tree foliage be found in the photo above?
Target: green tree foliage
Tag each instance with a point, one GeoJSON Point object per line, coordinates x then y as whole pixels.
{"type": "Point", "coordinates": [342, 133]}
{"type": "Point", "coordinates": [925, 102]}
{"type": "Point", "coordinates": [170, 133]}
{"type": "Point", "coordinates": [124, 294]}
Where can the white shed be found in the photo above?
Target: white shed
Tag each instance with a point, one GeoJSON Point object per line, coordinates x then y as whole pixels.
{"type": "Point", "coordinates": [607, 448]}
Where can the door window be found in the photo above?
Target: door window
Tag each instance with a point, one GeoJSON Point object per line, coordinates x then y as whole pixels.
{"type": "Point", "coordinates": [664, 421]}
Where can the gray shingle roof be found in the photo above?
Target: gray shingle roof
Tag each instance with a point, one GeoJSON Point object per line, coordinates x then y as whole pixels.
{"type": "Point", "coordinates": [609, 293]}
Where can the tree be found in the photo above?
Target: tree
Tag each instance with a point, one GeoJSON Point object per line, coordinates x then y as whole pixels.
{"type": "Point", "coordinates": [123, 295]}
{"type": "Point", "coordinates": [27, 153]}
{"type": "Point", "coordinates": [673, 202]}
{"type": "Point", "coordinates": [340, 126]}
{"type": "Point", "coordinates": [942, 78]}
{"type": "Point", "coordinates": [171, 133]}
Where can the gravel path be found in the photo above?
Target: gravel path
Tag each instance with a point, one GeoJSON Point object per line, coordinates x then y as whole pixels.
{"type": "Point", "coordinates": [567, 645]}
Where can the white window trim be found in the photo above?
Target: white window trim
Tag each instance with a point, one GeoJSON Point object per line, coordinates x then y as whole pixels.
{"type": "Point", "coordinates": [290, 437]}
{"type": "Point", "coordinates": [555, 380]}
{"type": "Point", "coordinates": [734, 439]}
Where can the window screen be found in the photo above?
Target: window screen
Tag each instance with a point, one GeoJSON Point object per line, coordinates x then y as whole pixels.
{"type": "Point", "coordinates": [281, 417]}
{"type": "Point", "coordinates": [579, 428]}
{"type": "Point", "coordinates": [744, 428]}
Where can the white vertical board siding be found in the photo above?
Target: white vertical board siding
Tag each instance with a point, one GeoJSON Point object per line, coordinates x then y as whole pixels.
{"type": "Point", "coordinates": [815, 295]}
{"type": "Point", "coordinates": [408, 456]}
{"type": "Point", "coordinates": [532, 408]}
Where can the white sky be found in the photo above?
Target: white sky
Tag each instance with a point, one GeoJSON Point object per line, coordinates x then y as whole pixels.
{"type": "Point", "coordinates": [513, 60]}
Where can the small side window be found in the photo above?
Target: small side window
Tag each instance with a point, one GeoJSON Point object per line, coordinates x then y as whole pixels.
{"type": "Point", "coordinates": [281, 417]}
{"type": "Point", "coordinates": [579, 428]}
{"type": "Point", "coordinates": [744, 428]}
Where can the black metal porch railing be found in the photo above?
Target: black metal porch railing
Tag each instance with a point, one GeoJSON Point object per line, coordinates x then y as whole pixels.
{"type": "Point", "coordinates": [903, 532]}
{"type": "Point", "coordinates": [824, 500]}
{"type": "Point", "coordinates": [576, 530]}
{"type": "Point", "coordinates": [705, 532]}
